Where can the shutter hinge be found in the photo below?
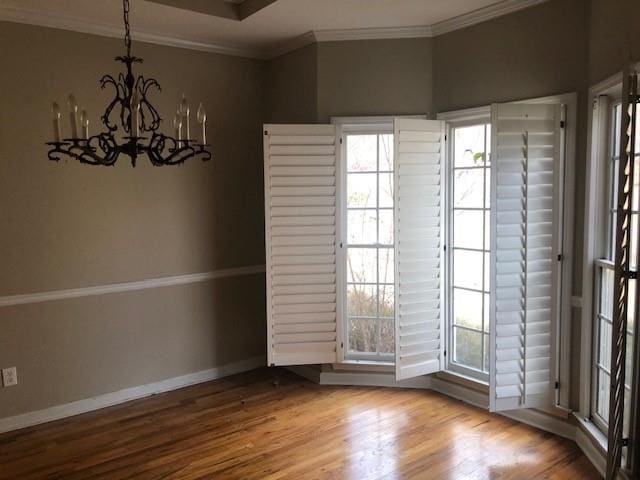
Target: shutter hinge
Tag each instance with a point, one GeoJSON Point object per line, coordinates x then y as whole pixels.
{"type": "Point", "coordinates": [630, 274]}
{"type": "Point", "coordinates": [625, 442]}
{"type": "Point", "coordinates": [340, 140]}
{"type": "Point", "coordinates": [445, 138]}
{"type": "Point", "coordinates": [445, 353]}
{"type": "Point", "coordinates": [266, 132]}
{"type": "Point", "coordinates": [341, 344]}
{"type": "Point", "coordinates": [560, 257]}
{"type": "Point", "coordinates": [563, 124]}
{"type": "Point", "coordinates": [557, 385]}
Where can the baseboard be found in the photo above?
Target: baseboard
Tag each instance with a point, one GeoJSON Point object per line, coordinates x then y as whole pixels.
{"type": "Point", "coordinates": [306, 371]}
{"type": "Point", "coordinates": [543, 421]}
{"type": "Point", "coordinates": [460, 392]}
{"type": "Point", "coordinates": [593, 444]}
{"type": "Point", "coordinates": [109, 399]}
{"type": "Point", "coordinates": [372, 379]}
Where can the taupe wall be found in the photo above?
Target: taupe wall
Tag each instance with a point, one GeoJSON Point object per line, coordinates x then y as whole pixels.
{"type": "Point", "coordinates": [66, 225]}
{"type": "Point", "coordinates": [292, 87]}
{"type": "Point", "coordinates": [375, 77]}
{"type": "Point", "coordinates": [614, 37]}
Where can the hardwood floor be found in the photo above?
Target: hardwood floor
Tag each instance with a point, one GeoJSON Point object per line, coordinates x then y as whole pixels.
{"type": "Point", "coordinates": [271, 424]}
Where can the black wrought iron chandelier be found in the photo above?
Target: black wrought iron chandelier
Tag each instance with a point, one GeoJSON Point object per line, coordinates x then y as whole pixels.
{"type": "Point", "coordinates": [138, 119]}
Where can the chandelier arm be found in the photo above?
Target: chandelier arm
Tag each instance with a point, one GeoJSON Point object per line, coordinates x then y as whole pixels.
{"type": "Point", "coordinates": [82, 150]}
{"type": "Point", "coordinates": [179, 151]}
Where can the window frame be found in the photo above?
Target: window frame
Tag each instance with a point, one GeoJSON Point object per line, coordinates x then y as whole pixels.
{"type": "Point", "coordinates": [369, 125]}
{"type": "Point", "coordinates": [457, 119]}
{"type": "Point", "coordinates": [597, 242]}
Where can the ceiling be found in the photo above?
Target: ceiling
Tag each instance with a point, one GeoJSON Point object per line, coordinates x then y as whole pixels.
{"type": "Point", "coordinates": [274, 27]}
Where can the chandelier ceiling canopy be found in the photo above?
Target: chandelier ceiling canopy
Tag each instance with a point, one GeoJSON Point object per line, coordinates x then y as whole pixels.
{"type": "Point", "coordinates": [131, 123]}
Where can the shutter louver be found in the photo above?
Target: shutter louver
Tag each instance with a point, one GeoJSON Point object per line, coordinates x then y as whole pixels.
{"type": "Point", "coordinates": [525, 272]}
{"type": "Point", "coordinates": [300, 225]}
{"type": "Point", "coordinates": [419, 150]}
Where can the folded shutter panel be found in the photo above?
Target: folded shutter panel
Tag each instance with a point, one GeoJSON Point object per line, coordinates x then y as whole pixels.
{"type": "Point", "coordinates": [419, 150]}
{"type": "Point", "coordinates": [526, 164]}
{"type": "Point", "coordinates": [300, 226]}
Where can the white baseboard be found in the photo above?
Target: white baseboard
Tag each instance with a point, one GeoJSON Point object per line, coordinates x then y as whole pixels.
{"type": "Point", "coordinates": [372, 379]}
{"type": "Point", "coordinates": [543, 421]}
{"type": "Point", "coordinates": [593, 444]}
{"type": "Point", "coordinates": [306, 371]}
{"type": "Point", "coordinates": [101, 401]}
{"type": "Point", "coordinates": [460, 392]}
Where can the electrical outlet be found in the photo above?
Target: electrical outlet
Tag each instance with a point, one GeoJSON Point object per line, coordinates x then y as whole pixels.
{"type": "Point", "coordinates": [9, 376]}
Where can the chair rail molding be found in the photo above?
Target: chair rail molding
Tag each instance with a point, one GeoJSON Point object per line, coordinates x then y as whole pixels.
{"type": "Point", "coordinates": [21, 299]}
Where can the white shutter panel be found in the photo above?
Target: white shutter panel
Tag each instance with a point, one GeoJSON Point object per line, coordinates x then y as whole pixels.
{"type": "Point", "coordinates": [300, 225]}
{"type": "Point", "coordinates": [526, 181]}
{"type": "Point", "coordinates": [419, 215]}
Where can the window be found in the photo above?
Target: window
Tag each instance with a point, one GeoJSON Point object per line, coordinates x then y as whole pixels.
{"type": "Point", "coordinates": [469, 256]}
{"type": "Point", "coordinates": [370, 245]}
{"type": "Point", "coordinates": [604, 271]}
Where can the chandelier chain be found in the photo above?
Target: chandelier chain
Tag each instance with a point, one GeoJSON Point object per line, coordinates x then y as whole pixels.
{"type": "Point", "coordinates": [127, 30]}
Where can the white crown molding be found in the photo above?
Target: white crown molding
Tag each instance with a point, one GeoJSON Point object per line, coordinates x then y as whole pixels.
{"type": "Point", "coordinates": [372, 33]}
{"type": "Point", "coordinates": [482, 15]}
{"type": "Point", "coordinates": [290, 45]}
{"type": "Point", "coordinates": [65, 22]}
{"type": "Point", "coordinates": [10, 300]}
{"type": "Point", "coordinates": [57, 412]}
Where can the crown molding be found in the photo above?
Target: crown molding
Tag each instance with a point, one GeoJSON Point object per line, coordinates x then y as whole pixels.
{"type": "Point", "coordinates": [65, 22]}
{"type": "Point", "coordinates": [372, 33]}
{"type": "Point", "coordinates": [482, 15]}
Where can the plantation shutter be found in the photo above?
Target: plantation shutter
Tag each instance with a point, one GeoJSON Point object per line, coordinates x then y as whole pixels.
{"type": "Point", "coordinates": [300, 226]}
{"type": "Point", "coordinates": [526, 186]}
{"type": "Point", "coordinates": [419, 214]}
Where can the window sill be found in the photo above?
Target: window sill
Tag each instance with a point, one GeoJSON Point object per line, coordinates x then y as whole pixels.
{"type": "Point", "coordinates": [464, 380]}
{"type": "Point", "coordinates": [595, 435]}
{"type": "Point", "coordinates": [365, 366]}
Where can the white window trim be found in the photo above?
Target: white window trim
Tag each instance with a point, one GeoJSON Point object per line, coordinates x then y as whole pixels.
{"type": "Point", "coordinates": [460, 118]}
{"type": "Point", "coordinates": [596, 176]}
{"type": "Point", "coordinates": [346, 125]}
{"type": "Point", "coordinates": [563, 347]}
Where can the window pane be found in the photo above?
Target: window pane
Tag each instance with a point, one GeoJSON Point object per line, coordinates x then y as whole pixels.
{"type": "Point", "coordinates": [468, 348]}
{"type": "Point", "coordinates": [487, 230]}
{"type": "Point", "coordinates": [386, 190]}
{"type": "Point", "coordinates": [487, 308]}
{"type": "Point", "coordinates": [361, 301]}
{"type": "Point", "coordinates": [361, 190]}
{"type": "Point", "coordinates": [385, 265]}
{"type": "Point", "coordinates": [606, 293]}
{"type": "Point", "coordinates": [363, 335]}
{"type": "Point", "coordinates": [486, 353]}
{"type": "Point", "coordinates": [466, 226]}
{"type": "Point", "coordinates": [386, 299]}
{"type": "Point", "coordinates": [467, 269]}
{"type": "Point", "coordinates": [469, 146]}
{"type": "Point", "coordinates": [467, 308]}
{"type": "Point", "coordinates": [361, 227]}
{"type": "Point", "coordinates": [468, 188]}
{"type": "Point", "coordinates": [361, 265]}
{"type": "Point", "coordinates": [603, 395]}
{"type": "Point", "coordinates": [386, 152]}
{"type": "Point", "coordinates": [386, 227]}
{"type": "Point", "coordinates": [361, 153]}
{"type": "Point", "coordinates": [387, 336]}
{"type": "Point", "coordinates": [605, 345]}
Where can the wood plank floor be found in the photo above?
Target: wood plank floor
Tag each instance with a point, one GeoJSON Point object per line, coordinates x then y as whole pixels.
{"type": "Point", "coordinates": [271, 424]}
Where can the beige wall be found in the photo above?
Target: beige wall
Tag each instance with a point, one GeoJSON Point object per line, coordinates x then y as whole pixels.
{"type": "Point", "coordinates": [67, 225]}
{"type": "Point", "coordinates": [375, 77]}
{"type": "Point", "coordinates": [614, 37]}
{"type": "Point", "coordinates": [292, 87]}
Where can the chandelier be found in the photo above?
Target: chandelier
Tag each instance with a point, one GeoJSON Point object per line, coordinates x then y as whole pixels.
{"type": "Point", "coordinates": [132, 111]}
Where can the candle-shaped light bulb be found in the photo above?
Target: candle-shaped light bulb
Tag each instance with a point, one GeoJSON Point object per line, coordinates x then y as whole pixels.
{"type": "Point", "coordinates": [184, 111]}
{"type": "Point", "coordinates": [201, 116]}
{"type": "Point", "coordinates": [135, 114]}
{"type": "Point", "coordinates": [84, 122]}
{"type": "Point", "coordinates": [177, 124]}
{"type": "Point", "coordinates": [73, 115]}
{"type": "Point", "coordinates": [57, 130]}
